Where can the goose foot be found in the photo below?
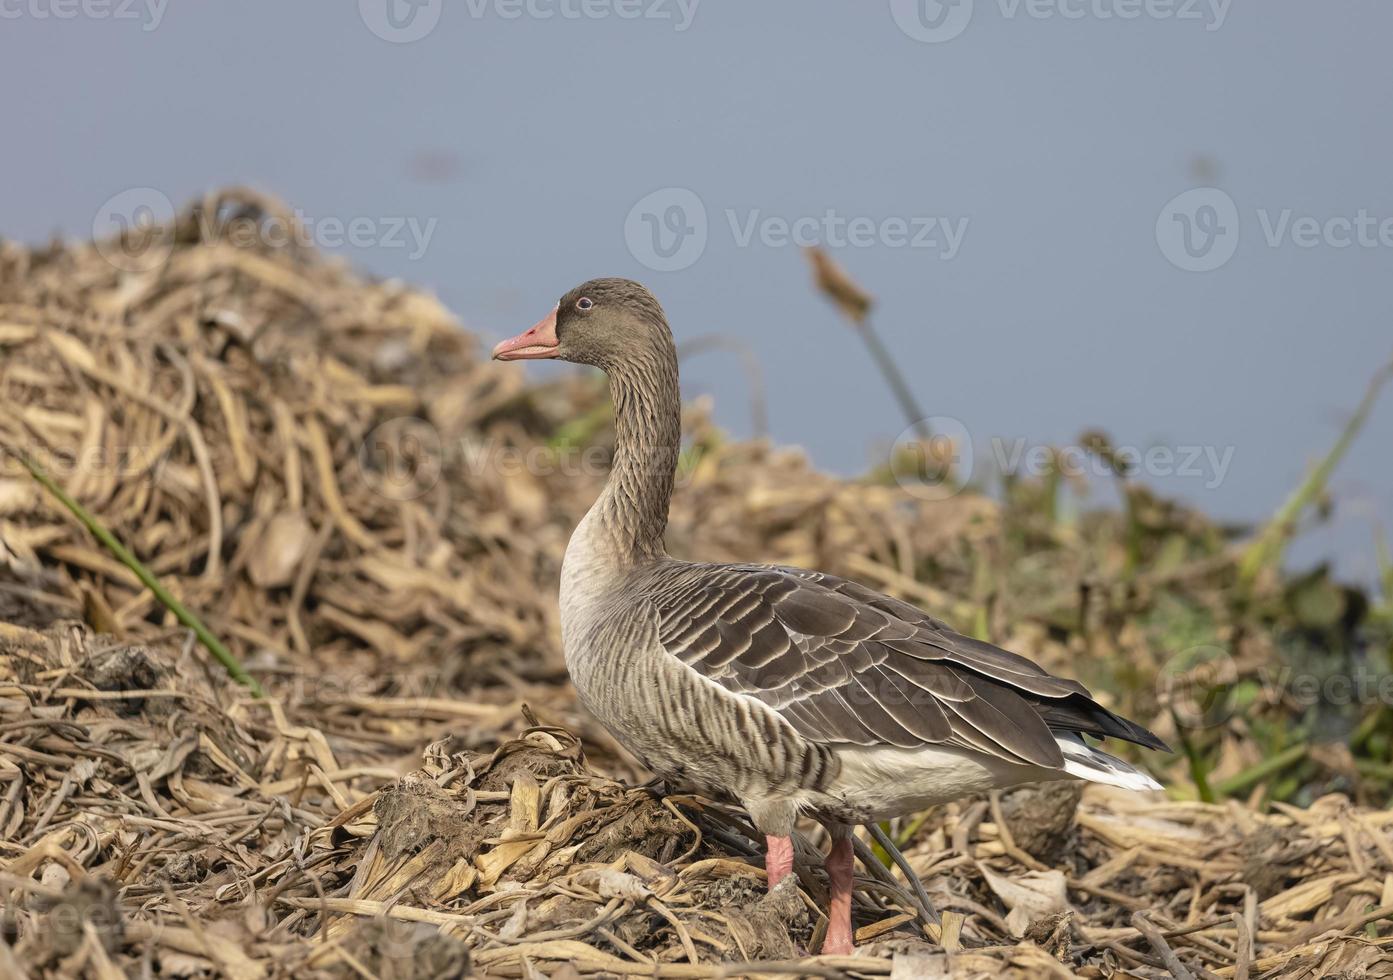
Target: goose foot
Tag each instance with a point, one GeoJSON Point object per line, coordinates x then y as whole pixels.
{"type": "Point", "coordinates": [838, 864]}
{"type": "Point", "coordinates": [778, 861]}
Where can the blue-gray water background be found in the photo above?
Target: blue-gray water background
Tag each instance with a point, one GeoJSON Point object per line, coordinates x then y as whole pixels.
{"type": "Point", "coordinates": [1053, 133]}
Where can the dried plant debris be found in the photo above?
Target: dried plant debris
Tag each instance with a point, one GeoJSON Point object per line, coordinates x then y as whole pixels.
{"type": "Point", "coordinates": [188, 827]}
{"type": "Point", "coordinates": [372, 519]}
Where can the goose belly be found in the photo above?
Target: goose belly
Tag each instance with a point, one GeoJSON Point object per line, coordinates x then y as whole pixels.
{"type": "Point", "coordinates": [881, 782]}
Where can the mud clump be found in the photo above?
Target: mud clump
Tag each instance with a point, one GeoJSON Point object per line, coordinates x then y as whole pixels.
{"type": "Point", "coordinates": [395, 950]}
{"type": "Point", "coordinates": [415, 814]}
{"type": "Point", "coordinates": [1040, 817]}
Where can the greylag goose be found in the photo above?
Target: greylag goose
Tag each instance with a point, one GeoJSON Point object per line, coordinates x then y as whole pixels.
{"type": "Point", "coordinates": [788, 691]}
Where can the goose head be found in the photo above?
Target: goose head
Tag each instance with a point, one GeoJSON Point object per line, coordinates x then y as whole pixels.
{"type": "Point", "coordinates": [603, 323]}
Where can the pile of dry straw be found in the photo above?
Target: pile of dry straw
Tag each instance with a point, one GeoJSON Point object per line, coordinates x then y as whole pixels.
{"type": "Point", "coordinates": [371, 517]}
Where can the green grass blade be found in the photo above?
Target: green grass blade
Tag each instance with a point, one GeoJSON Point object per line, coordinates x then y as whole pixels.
{"type": "Point", "coordinates": [1266, 769]}
{"type": "Point", "coordinates": [1194, 757]}
{"type": "Point", "coordinates": [215, 646]}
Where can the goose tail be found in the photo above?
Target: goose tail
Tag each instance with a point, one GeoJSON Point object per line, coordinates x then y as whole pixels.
{"type": "Point", "coordinates": [1085, 762]}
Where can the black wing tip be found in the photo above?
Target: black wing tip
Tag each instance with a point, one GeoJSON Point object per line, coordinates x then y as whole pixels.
{"type": "Point", "coordinates": [1079, 714]}
{"type": "Point", "coordinates": [1140, 736]}
{"type": "Point", "coordinates": [1133, 733]}
{"type": "Point", "coordinates": [1153, 742]}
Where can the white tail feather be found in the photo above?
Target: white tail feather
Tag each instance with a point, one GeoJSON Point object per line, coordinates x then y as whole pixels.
{"type": "Point", "coordinates": [1085, 762]}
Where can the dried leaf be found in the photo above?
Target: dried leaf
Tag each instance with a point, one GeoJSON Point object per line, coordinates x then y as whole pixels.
{"type": "Point", "coordinates": [280, 548]}
{"type": "Point", "coordinates": [1028, 896]}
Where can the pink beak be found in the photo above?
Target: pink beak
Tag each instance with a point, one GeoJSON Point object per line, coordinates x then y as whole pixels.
{"type": "Point", "coordinates": [538, 342]}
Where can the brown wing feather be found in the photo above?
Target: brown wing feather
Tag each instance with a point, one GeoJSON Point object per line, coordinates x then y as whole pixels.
{"type": "Point", "coordinates": [844, 664]}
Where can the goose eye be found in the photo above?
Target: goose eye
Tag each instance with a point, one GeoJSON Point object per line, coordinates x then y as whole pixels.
{"type": "Point", "coordinates": [585, 303]}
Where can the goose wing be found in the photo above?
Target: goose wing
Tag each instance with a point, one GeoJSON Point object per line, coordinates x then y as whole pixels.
{"type": "Point", "coordinates": [845, 664]}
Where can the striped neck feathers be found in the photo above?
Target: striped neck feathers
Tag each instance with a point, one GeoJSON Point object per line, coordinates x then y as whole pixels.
{"type": "Point", "coordinates": [631, 513]}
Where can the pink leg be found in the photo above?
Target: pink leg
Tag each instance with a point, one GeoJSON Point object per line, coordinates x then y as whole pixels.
{"type": "Point", "coordinates": [838, 941]}
{"type": "Point", "coordinates": [778, 862]}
